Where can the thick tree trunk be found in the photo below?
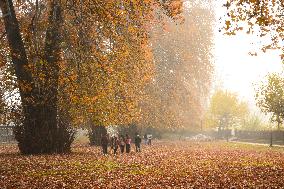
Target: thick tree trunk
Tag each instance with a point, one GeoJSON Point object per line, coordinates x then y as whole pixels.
{"type": "Point", "coordinates": [40, 132]}
{"type": "Point", "coordinates": [20, 63]}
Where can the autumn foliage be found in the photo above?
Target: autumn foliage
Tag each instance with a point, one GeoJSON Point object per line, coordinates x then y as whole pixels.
{"type": "Point", "coordinates": [260, 17]}
{"type": "Point", "coordinates": [164, 165]}
{"type": "Point", "coordinates": [74, 62]}
{"type": "Point", "coordinates": [177, 95]}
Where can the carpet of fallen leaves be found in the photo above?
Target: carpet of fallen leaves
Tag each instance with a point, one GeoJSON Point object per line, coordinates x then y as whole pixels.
{"type": "Point", "coordinates": [163, 165]}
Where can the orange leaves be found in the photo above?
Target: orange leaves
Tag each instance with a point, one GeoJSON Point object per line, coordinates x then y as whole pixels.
{"type": "Point", "coordinates": [176, 7]}
{"type": "Point", "coordinates": [105, 61]}
{"type": "Point", "coordinates": [182, 70]}
{"type": "Point", "coordinates": [228, 24]}
{"type": "Point", "coordinates": [263, 18]}
{"type": "Point", "coordinates": [173, 164]}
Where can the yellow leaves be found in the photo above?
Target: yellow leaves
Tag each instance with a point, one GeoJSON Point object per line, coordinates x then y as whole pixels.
{"type": "Point", "coordinates": [227, 108]}
{"type": "Point", "coordinates": [131, 29]}
{"type": "Point", "coordinates": [264, 18]}
{"type": "Point", "coordinates": [121, 12]}
{"type": "Point", "coordinates": [228, 24]}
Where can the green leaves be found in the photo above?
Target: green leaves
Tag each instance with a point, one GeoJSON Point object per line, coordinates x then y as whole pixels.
{"type": "Point", "coordinates": [270, 97]}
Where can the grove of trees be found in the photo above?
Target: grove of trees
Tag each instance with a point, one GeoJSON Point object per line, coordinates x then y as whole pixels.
{"type": "Point", "coordinates": [73, 61]}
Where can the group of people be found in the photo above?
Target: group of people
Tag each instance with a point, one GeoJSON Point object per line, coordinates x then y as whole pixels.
{"type": "Point", "coordinates": [122, 142]}
{"type": "Point", "coordinates": [148, 139]}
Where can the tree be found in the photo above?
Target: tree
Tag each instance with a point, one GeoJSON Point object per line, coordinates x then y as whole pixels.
{"type": "Point", "coordinates": [182, 54]}
{"type": "Point", "coordinates": [270, 97]}
{"type": "Point", "coordinates": [43, 38]}
{"type": "Point", "coordinates": [39, 103]}
{"type": "Point", "coordinates": [253, 122]}
{"type": "Point", "coordinates": [262, 17]}
{"type": "Point", "coordinates": [226, 110]}
{"type": "Point", "coordinates": [2, 107]}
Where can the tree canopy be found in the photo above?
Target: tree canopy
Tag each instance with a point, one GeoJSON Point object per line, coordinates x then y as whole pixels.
{"type": "Point", "coordinates": [67, 56]}
{"type": "Point", "coordinates": [183, 69]}
{"type": "Point", "coordinates": [270, 97]}
{"type": "Point", "coordinates": [261, 16]}
{"type": "Point", "coordinates": [226, 110]}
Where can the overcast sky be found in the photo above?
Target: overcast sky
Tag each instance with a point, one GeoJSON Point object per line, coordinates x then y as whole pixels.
{"type": "Point", "coordinates": [236, 70]}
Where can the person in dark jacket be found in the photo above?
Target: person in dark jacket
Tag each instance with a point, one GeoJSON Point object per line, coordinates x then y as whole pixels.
{"type": "Point", "coordinates": [127, 143]}
{"type": "Point", "coordinates": [115, 144]}
{"type": "Point", "coordinates": [122, 144]}
{"type": "Point", "coordinates": [104, 143]}
{"type": "Point", "coordinates": [137, 142]}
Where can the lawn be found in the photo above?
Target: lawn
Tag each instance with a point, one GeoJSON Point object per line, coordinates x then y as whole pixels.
{"type": "Point", "coordinates": [179, 164]}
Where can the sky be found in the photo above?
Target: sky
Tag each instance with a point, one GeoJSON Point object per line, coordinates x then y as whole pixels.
{"type": "Point", "coordinates": [235, 69]}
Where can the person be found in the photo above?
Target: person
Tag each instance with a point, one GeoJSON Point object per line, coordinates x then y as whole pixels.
{"type": "Point", "coordinates": [137, 143]}
{"type": "Point", "coordinates": [145, 139]}
{"type": "Point", "coordinates": [115, 144]}
{"type": "Point", "coordinates": [104, 143]}
{"type": "Point", "coordinates": [111, 142]}
{"type": "Point", "coordinates": [127, 143]}
{"type": "Point", "coordinates": [149, 139]}
{"type": "Point", "coordinates": [121, 143]}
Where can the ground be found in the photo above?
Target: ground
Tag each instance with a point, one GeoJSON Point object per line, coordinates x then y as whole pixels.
{"type": "Point", "coordinates": [180, 164]}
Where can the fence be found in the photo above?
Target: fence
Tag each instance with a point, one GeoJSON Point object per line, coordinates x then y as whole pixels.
{"type": "Point", "coordinates": [277, 136]}
{"type": "Point", "coordinates": [6, 133]}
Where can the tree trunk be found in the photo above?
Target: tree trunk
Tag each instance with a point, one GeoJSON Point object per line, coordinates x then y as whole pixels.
{"type": "Point", "coordinates": [40, 132]}
{"type": "Point", "coordinates": [95, 134]}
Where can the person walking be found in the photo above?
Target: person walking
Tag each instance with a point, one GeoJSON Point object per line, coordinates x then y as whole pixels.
{"type": "Point", "coordinates": [138, 143]}
{"type": "Point", "coordinates": [149, 139]}
{"type": "Point", "coordinates": [121, 144]}
{"type": "Point", "coordinates": [145, 139]}
{"type": "Point", "coordinates": [115, 143]}
{"type": "Point", "coordinates": [104, 143]}
{"type": "Point", "coordinates": [127, 143]}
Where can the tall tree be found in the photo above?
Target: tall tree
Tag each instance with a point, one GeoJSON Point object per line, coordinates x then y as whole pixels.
{"type": "Point", "coordinates": [182, 55]}
{"type": "Point", "coordinates": [45, 37]}
{"type": "Point", "coordinates": [36, 103]}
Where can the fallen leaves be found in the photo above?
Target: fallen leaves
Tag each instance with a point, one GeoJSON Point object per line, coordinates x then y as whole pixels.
{"type": "Point", "coordinates": [163, 165]}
